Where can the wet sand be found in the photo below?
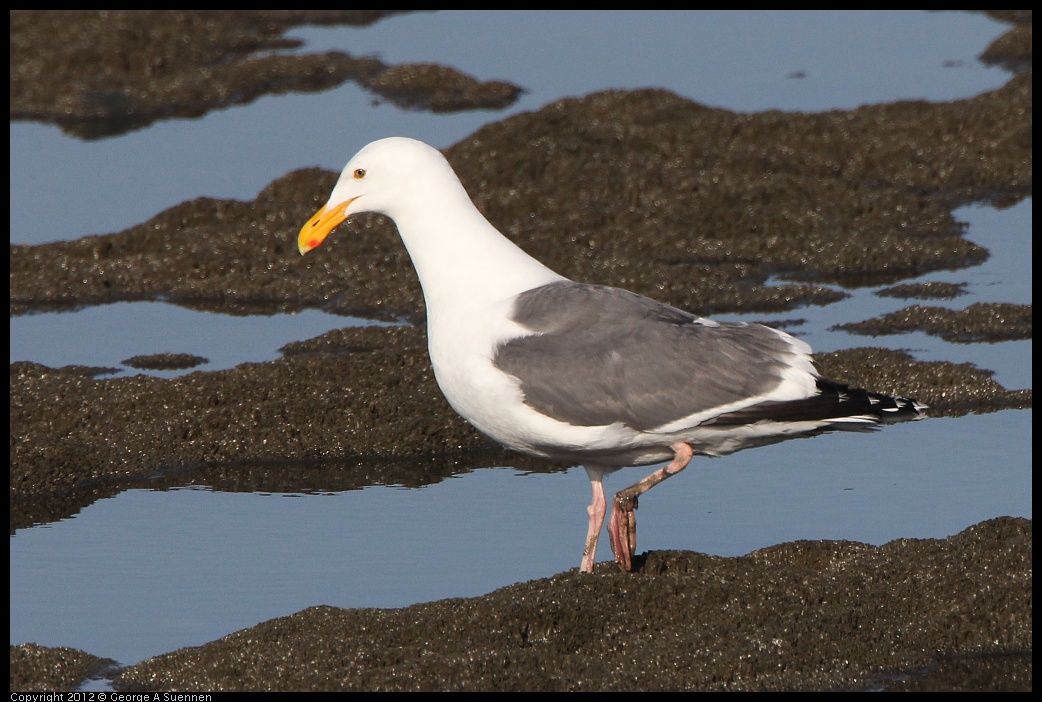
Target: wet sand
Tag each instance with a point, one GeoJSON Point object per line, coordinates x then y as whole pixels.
{"type": "Point", "coordinates": [860, 197]}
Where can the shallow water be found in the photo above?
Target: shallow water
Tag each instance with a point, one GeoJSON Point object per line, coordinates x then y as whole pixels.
{"type": "Point", "coordinates": [147, 572]}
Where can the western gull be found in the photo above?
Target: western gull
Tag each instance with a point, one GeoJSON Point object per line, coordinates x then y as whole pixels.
{"type": "Point", "coordinates": [596, 375]}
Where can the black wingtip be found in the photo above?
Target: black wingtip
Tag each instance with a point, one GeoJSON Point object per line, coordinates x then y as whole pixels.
{"type": "Point", "coordinates": [856, 401]}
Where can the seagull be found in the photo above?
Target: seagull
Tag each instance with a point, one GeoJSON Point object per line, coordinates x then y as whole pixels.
{"type": "Point", "coordinates": [568, 371]}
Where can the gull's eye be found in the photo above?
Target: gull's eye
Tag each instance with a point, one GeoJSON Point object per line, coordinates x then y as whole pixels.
{"type": "Point", "coordinates": [359, 173]}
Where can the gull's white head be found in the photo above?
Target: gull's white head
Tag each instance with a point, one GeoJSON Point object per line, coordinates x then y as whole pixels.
{"type": "Point", "coordinates": [386, 176]}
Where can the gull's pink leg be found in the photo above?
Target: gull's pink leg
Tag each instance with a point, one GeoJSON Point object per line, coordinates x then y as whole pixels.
{"type": "Point", "coordinates": [596, 510]}
{"type": "Point", "coordinates": [622, 526]}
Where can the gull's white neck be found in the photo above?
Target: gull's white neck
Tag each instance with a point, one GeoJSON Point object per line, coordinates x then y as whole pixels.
{"type": "Point", "coordinates": [460, 258]}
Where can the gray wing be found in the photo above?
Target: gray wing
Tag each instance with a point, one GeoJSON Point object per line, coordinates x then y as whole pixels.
{"type": "Point", "coordinates": [600, 355]}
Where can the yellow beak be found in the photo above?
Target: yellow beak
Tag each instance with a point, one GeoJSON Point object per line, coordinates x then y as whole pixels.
{"type": "Point", "coordinates": [318, 227]}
